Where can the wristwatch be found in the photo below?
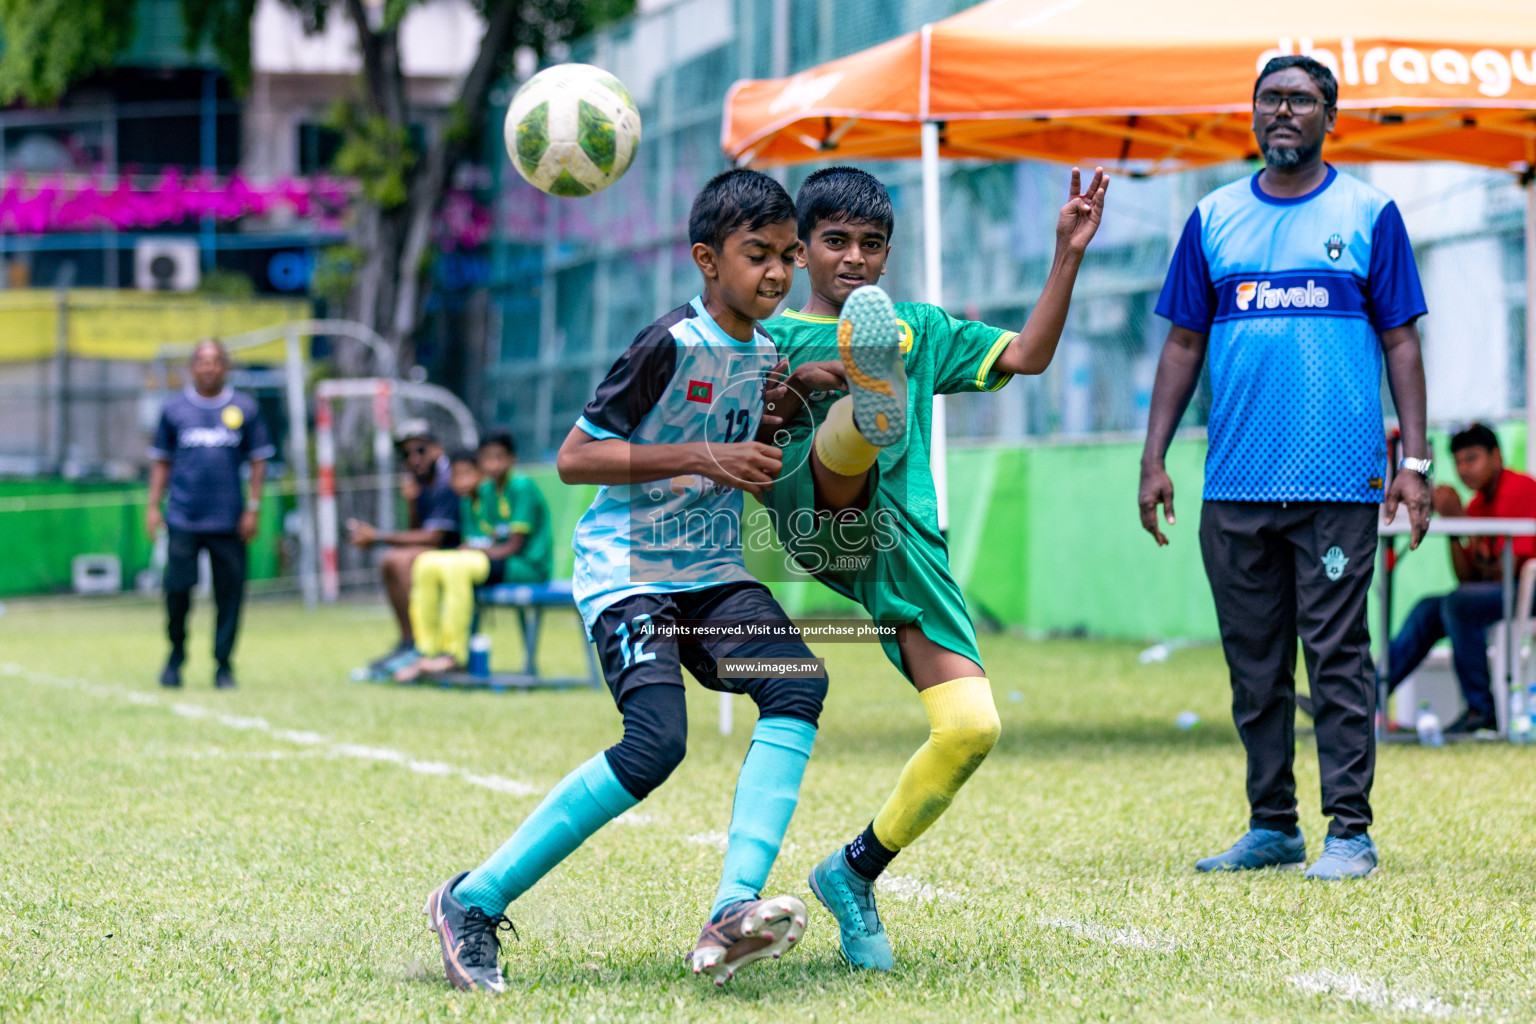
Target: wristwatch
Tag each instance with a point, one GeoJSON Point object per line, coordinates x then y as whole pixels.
{"type": "Point", "coordinates": [1424, 467]}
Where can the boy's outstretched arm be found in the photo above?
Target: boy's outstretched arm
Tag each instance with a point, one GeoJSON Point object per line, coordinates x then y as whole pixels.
{"type": "Point", "coordinates": [1032, 350]}
{"type": "Point", "coordinates": [746, 465]}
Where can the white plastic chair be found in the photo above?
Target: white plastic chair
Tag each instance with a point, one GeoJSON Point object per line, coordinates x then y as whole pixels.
{"type": "Point", "coordinates": [1524, 625]}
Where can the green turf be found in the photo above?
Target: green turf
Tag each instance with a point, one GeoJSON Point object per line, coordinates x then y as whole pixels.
{"type": "Point", "coordinates": [164, 866]}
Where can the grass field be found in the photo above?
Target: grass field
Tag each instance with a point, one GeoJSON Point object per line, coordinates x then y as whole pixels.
{"type": "Point", "coordinates": [264, 854]}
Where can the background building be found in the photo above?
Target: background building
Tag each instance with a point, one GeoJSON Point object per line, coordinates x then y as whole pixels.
{"type": "Point", "coordinates": [573, 280]}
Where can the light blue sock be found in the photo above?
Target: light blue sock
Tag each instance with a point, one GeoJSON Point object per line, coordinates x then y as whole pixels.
{"type": "Point", "coordinates": [766, 793]}
{"type": "Point", "coordinates": [584, 801]}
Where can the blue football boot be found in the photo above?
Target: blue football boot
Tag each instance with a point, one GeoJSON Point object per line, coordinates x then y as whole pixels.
{"type": "Point", "coordinates": [1354, 857]}
{"type": "Point", "coordinates": [850, 897]}
{"type": "Point", "coordinates": [1260, 848]}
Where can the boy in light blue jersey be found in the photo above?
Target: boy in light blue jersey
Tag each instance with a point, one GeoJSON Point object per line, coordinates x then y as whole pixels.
{"type": "Point", "coordinates": [661, 587]}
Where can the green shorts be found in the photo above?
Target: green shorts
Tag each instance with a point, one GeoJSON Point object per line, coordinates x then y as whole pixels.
{"type": "Point", "coordinates": [883, 557]}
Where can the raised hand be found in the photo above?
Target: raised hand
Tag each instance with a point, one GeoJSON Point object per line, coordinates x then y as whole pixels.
{"type": "Point", "coordinates": [1079, 219]}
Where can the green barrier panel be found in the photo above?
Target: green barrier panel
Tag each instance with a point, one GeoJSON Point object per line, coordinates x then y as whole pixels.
{"type": "Point", "coordinates": [86, 517]}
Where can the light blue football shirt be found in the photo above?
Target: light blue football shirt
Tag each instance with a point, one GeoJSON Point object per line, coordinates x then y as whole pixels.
{"type": "Point", "coordinates": [683, 379]}
{"type": "Point", "coordinates": [1293, 293]}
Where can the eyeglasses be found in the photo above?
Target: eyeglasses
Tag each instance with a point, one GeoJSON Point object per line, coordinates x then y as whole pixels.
{"type": "Point", "coordinates": [1300, 103]}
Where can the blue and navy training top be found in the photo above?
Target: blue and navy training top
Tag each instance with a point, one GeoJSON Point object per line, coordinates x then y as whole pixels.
{"type": "Point", "coordinates": [206, 440]}
{"type": "Point", "coordinates": [683, 379]}
{"type": "Point", "coordinates": [1294, 293]}
{"type": "Point", "coordinates": [437, 506]}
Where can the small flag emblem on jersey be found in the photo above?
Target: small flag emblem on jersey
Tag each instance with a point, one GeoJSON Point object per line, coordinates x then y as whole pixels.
{"type": "Point", "coordinates": [700, 391]}
{"type": "Point", "coordinates": [1335, 246]}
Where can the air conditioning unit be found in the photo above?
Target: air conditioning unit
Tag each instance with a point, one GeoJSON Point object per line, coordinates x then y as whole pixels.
{"type": "Point", "coordinates": [166, 264]}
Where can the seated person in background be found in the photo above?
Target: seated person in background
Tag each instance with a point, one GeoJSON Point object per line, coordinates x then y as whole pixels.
{"type": "Point", "coordinates": [434, 525]}
{"type": "Point", "coordinates": [1466, 612]}
{"type": "Point", "coordinates": [506, 540]}
{"type": "Point", "coordinates": [523, 551]}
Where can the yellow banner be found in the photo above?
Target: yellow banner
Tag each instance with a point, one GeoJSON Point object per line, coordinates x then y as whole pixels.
{"type": "Point", "coordinates": [107, 323]}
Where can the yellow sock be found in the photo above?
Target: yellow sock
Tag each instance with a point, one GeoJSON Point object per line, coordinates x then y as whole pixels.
{"type": "Point", "coordinates": [963, 727]}
{"type": "Point", "coordinates": [841, 447]}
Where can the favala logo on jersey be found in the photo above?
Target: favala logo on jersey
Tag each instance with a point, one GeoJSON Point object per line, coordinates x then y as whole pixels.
{"type": "Point", "coordinates": [1259, 295]}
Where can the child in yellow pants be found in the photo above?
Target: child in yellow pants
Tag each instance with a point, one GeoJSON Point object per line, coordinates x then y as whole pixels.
{"type": "Point", "coordinates": [442, 607]}
{"type": "Point", "coordinates": [505, 532]}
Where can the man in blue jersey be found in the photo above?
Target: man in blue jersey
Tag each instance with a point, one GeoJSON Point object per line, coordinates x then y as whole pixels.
{"type": "Point", "coordinates": [1297, 282]}
{"type": "Point", "coordinates": [205, 435]}
{"type": "Point", "coordinates": [661, 587]}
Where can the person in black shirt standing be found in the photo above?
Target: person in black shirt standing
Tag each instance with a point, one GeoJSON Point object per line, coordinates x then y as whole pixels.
{"type": "Point", "coordinates": [206, 433]}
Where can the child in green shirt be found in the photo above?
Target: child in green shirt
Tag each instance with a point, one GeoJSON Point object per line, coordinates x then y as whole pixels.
{"type": "Point", "coordinates": [860, 464]}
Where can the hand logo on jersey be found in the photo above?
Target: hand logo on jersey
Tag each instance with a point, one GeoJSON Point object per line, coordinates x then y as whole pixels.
{"type": "Point", "coordinates": [1335, 247]}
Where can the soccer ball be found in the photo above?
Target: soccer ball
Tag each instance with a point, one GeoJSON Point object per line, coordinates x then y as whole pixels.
{"type": "Point", "coordinates": [572, 130]}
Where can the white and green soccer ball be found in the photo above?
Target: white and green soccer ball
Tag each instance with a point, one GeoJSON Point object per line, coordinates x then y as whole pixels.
{"type": "Point", "coordinates": [572, 130]}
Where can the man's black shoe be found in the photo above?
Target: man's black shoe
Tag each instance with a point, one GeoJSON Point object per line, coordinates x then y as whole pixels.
{"type": "Point", "coordinates": [170, 676]}
{"type": "Point", "coordinates": [224, 679]}
{"type": "Point", "coordinates": [1471, 722]}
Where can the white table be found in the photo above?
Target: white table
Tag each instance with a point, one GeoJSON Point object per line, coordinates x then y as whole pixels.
{"type": "Point", "coordinates": [1457, 526]}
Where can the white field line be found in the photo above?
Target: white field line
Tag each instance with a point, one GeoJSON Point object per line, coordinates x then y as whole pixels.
{"type": "Point", "coordinates": [495, 783]}
{"type": "Point", "coordinates": [1350, 988]}
{"type": "Point", "coordinates": [719, 840]}
{"type": "Point", "coordinates": [1354, 989]}
{"type": "Point", "coordinates": [636, 818]}
{"type": "Point", "coordinates": [909, 889]}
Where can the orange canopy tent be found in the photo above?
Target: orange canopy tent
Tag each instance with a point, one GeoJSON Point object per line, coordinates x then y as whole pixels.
{"type": "Point", "coordinates": [1161, 83]}
{"type": "Point", "coordinates": [1158, 85]}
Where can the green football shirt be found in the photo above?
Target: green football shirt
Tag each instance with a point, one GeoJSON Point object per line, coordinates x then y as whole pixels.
{"type": "Point", "coordinates": [495, 514]}
{"type": "Point", "coordinates": [892, 559]}
{"type": "Point", "coordinates": [530, 516]}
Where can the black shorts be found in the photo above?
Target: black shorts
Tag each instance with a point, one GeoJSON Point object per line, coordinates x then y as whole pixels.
{"type": "Point", "coordinates": [629, 665]}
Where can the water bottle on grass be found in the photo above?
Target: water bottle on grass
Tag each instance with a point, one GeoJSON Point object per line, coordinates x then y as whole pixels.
{"type": "Point", "coordinates": [480, 655]}
{"type": "Point", "coordinates": [1428, 726]}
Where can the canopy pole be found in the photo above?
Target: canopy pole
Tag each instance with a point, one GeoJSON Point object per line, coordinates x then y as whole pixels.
{"type": "Point", "coordinates": [1530, 321]}
{"type": "Point", "coordinates": [933, 293]}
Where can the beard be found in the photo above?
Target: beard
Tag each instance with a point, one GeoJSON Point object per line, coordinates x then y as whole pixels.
{"type": "Point", "coordinates": [1288, 158]}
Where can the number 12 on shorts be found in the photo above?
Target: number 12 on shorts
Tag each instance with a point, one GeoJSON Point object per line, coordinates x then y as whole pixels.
{"type": "Point", "coordinates": [634, 650]}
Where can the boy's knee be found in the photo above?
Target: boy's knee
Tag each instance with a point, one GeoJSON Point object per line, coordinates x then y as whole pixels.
{"type": "Point", "coordinates": [643, 764]}
{"type": "Point", "coordinates": [655, 738]}
{"type": "Point", "coordinates": [968, 725]}
{"type": "Point", "coordinates": [793, 698]}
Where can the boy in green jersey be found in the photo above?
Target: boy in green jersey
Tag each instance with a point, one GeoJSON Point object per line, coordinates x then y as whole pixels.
{"type": "Point", "coordinates": [856, 505]}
